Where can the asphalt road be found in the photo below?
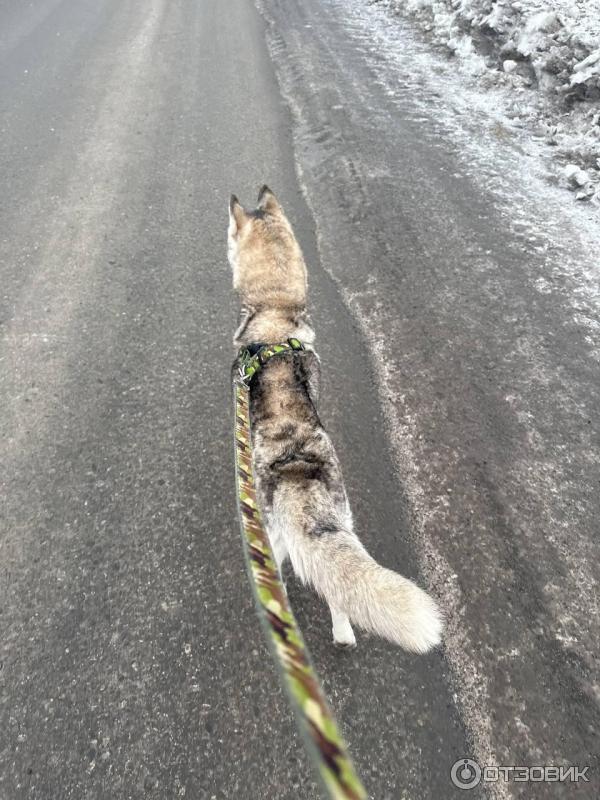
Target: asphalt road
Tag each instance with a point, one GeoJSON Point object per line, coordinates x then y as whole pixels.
{"type": "Point", "coordinates": [463, 403]}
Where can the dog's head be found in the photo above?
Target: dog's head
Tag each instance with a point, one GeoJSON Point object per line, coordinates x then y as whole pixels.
{"type": "Point", "coordinates": [267, 263]}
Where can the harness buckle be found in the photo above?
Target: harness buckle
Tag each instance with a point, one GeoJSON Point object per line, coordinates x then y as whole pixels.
{"type": "Point", "coordinates": [245, 361]}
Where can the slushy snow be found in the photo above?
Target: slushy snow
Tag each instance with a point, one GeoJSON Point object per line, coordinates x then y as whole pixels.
{"type": "Point", "coordinates": [542, 57]}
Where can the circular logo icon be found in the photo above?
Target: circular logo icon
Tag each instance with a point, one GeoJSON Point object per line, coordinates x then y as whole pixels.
{"type": "Point", "coordinates": [465, 773]}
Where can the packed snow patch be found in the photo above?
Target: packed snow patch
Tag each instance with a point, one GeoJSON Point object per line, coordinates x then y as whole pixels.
{"type": "Point", "coordinates": [544, 58]}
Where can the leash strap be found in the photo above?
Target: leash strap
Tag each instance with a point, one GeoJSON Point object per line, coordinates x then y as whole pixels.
{"type": "Point", "coordinates": [316, 720]}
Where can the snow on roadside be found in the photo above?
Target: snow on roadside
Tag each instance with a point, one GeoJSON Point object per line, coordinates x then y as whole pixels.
{"type": "Point", "coordinates": [542, 57]}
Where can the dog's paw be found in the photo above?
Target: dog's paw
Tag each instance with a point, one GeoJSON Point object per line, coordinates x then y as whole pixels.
{"type": "Point", "coordinates": [343, 635]}
{"type": "Point", "coordinates": [345, 645]}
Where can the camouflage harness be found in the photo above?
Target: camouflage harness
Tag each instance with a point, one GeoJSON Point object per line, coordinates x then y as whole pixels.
{"type": "Point", "coordinates": [316, 720]}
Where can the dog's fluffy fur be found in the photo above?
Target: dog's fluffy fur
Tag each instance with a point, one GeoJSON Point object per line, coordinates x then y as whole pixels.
{"type": "Point", "coordinates": [299, 483]}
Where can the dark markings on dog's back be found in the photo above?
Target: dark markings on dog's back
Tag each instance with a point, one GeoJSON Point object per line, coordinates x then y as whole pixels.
{"type": "Point", "coordinates": [303, 368]}
{"type": "Point", "coordinates": [301, 467]}
{"type": "Point", "coordinates": [322, 527]}
{"type": "Point", "coordinates": [288, 394]}
{"type": "Point", "coordinates": [283, 414]}
{"type": "Point", "coordinates": [287, 431]}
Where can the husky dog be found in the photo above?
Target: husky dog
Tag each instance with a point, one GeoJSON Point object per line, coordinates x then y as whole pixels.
{"type": "Point", "coordinates": [300, 489]}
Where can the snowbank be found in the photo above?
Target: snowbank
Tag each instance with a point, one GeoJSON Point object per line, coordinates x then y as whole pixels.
{"type": "Point", "coordinates": [545, 55]}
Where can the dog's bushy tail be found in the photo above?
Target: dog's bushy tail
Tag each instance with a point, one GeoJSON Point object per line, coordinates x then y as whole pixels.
{"type": "Point", "coordinates": [377, 599]}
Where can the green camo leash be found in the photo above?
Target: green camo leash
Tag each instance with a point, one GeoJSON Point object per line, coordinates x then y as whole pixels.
{"type": "Point", "coordinates": [326, 745]}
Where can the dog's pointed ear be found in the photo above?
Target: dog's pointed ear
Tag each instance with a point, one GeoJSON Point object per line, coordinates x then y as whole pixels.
{"type": "Point", "coordinates": [237, 215]}
{"type": "Point", "coordinates": [267, 201]}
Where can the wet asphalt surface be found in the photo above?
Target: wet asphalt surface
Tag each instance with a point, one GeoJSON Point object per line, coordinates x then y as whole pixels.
{"type": "Point", "coordinates": [131, 662]}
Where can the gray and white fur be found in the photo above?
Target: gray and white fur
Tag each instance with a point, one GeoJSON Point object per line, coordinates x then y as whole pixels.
{"type": "Point", "coordinates": [300, 489]}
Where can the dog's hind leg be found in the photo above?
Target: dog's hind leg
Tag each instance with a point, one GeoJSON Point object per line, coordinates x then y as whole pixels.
{"type": "Point", "coordinates": [343, 635]}
{"type": "Point", "coordinates": [280, 551]}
